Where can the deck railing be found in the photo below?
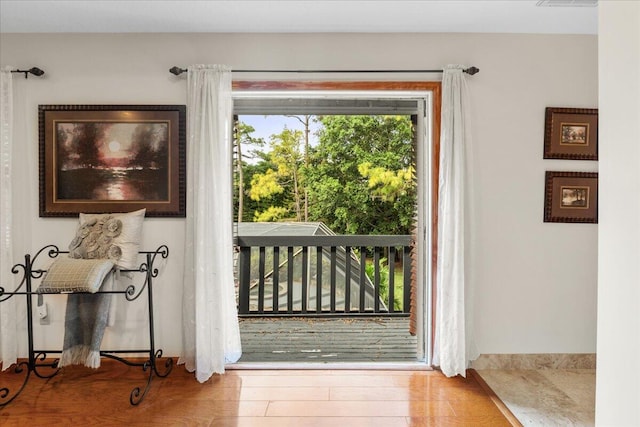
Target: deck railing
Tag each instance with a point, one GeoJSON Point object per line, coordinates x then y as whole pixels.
{"type": "Point", "coordinates": [347, 275]}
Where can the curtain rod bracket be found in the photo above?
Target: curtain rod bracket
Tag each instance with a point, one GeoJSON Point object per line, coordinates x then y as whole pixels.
{"type": "Point", "coordinates": [471, 71]}
{"type": "Point", "coordinates": [33, 70]}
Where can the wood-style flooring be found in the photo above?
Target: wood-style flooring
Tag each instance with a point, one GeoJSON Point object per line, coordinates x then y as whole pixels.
{"type": "Point", "coordinates": [80, 396]}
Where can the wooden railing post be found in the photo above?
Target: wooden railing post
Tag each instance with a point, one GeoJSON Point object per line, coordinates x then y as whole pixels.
{"type": "Point", "coordinates": [305, 278]}
{"type": "Point", "coordinates": [276, 279]}
{"type": "Point", "coordinates": [376, 278]}
{"type": "Point", "coordinates": [244, 277]}
{"type": "Point", "coordinates": [363, 277]}
{"type": "Point", "coordinates": [318, 279]}
{"type": "Point", "coordinates": [392, 279]}
{"type": "Point", "coordinates": [347, 280]}
{"type": "Point", "coordinates": [406, 266]}
{"type": "Point", "coordinates": [261, 268]}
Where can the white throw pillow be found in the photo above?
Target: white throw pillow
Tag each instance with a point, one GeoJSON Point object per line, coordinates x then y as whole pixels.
{"type": "Point", "coordinates": [114, 236]}
{"type": "Point", "coordinates": [75, 275]}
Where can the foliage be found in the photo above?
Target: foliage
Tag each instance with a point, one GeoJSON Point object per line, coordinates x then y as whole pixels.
{"type": "Point", "coordinates": [272, 214]}
{"type": "Point", "coordinates": [387, 184]}
{"type": "Point", "coordinates": [353, 152]}
{"type": "Point", "coordinates": [265, 185]}
{"type": "Point", "coordinates": [250, 205]}
{"type": "Point", "coordinates": [286, 151]}
{"type": "Point", "coordinates": [384, 283]}
{"type": "Point", "coordinates": [359, 178]}
{"type": "Point", "coordinates": [243, 137]}
{"type": "Point", "coordinates": [285, 177]}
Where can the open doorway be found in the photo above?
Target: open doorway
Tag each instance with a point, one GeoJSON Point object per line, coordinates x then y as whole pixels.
{"type": "Point", "coordinates": [379, 272]}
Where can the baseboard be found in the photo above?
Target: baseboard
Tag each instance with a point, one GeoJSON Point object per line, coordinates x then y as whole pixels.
{"type": "Point", "coordinates": [536, 361]}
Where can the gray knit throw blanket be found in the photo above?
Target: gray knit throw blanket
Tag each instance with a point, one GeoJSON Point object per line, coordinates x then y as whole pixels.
{"type": "Point", "coordinates": [85, 321]}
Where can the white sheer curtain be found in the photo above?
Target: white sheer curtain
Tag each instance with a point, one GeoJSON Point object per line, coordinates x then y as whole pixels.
{"type": "Point", "coordinates": [8, 316]}
{"type": "Point", "coordinates": [211, 335]}
{"type": "Point", "coordinates": [454, 347]}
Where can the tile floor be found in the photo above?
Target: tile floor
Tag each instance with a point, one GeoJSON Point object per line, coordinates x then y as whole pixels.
{"type": "Point", "coordinates": [546, 397]}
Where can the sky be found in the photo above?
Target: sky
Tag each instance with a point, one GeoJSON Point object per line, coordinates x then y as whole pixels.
{"type": "Point", "coordinates": [266, 126]}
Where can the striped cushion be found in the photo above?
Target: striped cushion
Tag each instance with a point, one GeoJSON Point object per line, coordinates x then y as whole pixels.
{"type": "Point", "coordinates": [75, 275]}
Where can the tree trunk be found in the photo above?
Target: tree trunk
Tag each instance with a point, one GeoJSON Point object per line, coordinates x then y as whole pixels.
{"type": "Point", "coordinates": [306, 164]}
{"type": "Point", "coordinates": [240, 177]}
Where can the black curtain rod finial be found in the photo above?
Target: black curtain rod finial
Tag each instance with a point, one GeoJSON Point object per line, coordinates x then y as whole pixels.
{"type": "Point", "coordinates": [36, 71]}
{"type": "Point", "coordinates": [472, 70]}
{"type": "Point", "coordinates": [177, 70]}
{"type": "Point", "coordinates": [33, 70]}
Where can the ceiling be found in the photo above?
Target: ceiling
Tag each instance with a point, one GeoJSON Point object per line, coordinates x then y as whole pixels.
{"type": "Point", "coordinates": [161, 16]}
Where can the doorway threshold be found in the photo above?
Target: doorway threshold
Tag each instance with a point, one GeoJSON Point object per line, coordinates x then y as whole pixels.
{"type": "Point", "coordinates": [364, 366]}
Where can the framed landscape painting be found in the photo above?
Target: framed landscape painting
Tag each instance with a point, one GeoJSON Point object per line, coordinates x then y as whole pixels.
{"type": "Point", "coordinates": [112, 158]}
{"type": "Point", "coordinates": [571, 197]}
{"type": "Point", "coordinates": [571, 133]}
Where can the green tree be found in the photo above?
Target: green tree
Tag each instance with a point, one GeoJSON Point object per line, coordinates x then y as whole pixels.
{"type": "Point", "coordinates": [286, 153]}
{"type": "Point", "coordinates": [262, 203]}
{"type": "Point", "coordinates": [387, 184]}
{"type": "Point", "coordinates": [306, 122]}
{"type": "Point", "coordinates": [271, 214]}
{"type": "Point", "coordinates": [361, 174]}
{"type": "Point", "coordinates": [243, 137]}
{"type": "Point", "coordinates": [265, 185]}
{"type": "Point", "coordinates": [284, 178]}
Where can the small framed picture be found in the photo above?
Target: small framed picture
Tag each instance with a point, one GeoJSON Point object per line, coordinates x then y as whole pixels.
{"type": "Point", "coordinates": [571, 133]}
{"type": "Point", "coordinates": [571, 197]}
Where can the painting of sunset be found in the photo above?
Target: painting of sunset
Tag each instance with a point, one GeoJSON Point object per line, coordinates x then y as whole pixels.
{"type": "Point", "coordinates": [118, 161]}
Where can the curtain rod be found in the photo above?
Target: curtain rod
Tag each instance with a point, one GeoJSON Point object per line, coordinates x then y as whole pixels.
{"type": "Point", "coordinates": [471, 71]}
{"type": "Point", "coordinates": [33, 70]}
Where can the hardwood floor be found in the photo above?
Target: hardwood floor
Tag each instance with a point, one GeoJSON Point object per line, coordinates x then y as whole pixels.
{"type": "Point", "coordinates": [301, 398]}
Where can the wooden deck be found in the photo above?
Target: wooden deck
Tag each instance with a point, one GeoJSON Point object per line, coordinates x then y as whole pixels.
{"type": "Point", "coordinates": [321, 340]}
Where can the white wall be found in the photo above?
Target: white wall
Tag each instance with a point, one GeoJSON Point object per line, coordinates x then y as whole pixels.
{"type": "Point", "coordinates": [536, 282]}
{"type": "Point", "coordinates": [618, 377]}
